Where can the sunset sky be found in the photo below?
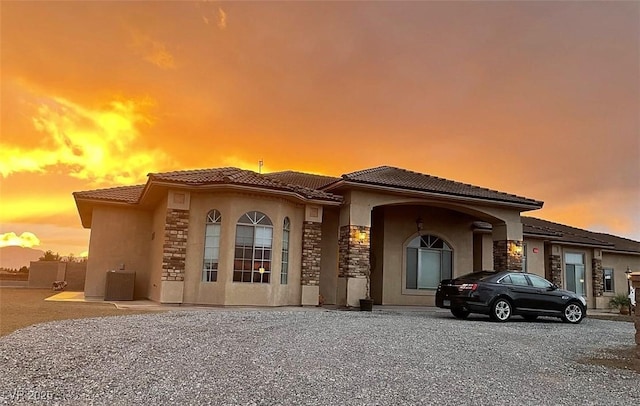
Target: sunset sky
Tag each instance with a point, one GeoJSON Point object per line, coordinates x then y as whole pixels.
{"type": "Point", "coordinates": [539, 99]}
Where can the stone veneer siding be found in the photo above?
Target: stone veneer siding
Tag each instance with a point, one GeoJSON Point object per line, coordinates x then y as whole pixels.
{"type": "Point", "coordinates": [554, 267]}
{"type": "Point", "coordinates": [175, 245]}
{"type": "Point", "coordinates": [503, 259]}
{"type": "Point", "coordinates": [353, 253]}
{"type": "Point", "coordinates": [311, 252]}
{"type": "Point", "coordinates": [598, 287]}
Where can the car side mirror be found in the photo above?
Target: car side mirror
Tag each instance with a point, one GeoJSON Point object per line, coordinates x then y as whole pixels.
{"type": "Point", "coordinates": [553, 287]}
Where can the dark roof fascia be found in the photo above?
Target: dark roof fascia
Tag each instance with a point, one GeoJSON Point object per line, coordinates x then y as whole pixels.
{"type": "Point", "coordinates": [616, 251]}
{"type": "Point", "coordinates": [579, 244]}
{"type": "Point", "coordinates": [235, 187]}
{"type": "Point", "coordinates": [479, 229]}
{"type": "Point", "coordinates": [438, 195]}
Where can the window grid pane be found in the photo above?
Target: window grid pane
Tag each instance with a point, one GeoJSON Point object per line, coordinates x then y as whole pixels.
{"type": "Point", "coordinates": [211, 253]}
{"type": "Point", "coordinates": [284, 271]}
{"type": "Point", "coordinates": [607, 282]}
{"type": "Point", "coordinates": [429, 259]}
{"type": "Point", "coordinates": [254, 237]}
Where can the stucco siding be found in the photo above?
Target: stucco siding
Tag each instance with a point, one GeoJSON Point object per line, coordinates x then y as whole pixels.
{"type": "Point", "coordinates": [119, 237]}
{"type": "Point", "coordinates": [157, 232]}
{"type": "Point", "coordinates": [225, 291]}
{"type": "Point", "coordinates": [619, 264]}
{"type": "Point", "coordinates": [329, 256]}
{"type": "Point", "coordinates": [535, 260]}
{"type": "Point", "coordinates": [400, 227]}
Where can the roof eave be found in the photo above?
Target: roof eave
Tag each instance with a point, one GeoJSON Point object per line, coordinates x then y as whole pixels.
{"type": "Point", "coordinates": [86, 213]}
{"type": "Point", "coordinates": [237, 187]}
{"type": "Point", "coordinates": [440, 196]}
{"type": "Point", "coordinates": [580, 244]}
{"type": "Point", "coordinates": [620, 251]}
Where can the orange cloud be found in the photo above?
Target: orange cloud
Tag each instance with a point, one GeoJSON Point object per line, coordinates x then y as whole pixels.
{"type": "Point", "coordinates": [153, 51]}
{"type": "Point", "coordinates": [222, 19]}
{"type": "Point", "coordinates": [25, 239]}
{"type": "Point", "coordinates": [98, 145]}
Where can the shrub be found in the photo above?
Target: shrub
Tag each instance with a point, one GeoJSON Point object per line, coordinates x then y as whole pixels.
{"type": "Point", "coordinates": [620, 300]}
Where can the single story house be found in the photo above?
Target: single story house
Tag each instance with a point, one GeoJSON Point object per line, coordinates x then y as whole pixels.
{"type": "Point", "coordinates": [229, 236]}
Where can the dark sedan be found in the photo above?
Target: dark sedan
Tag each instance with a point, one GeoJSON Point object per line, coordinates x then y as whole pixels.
{"type": "Point", "coordinates": [504, 294]}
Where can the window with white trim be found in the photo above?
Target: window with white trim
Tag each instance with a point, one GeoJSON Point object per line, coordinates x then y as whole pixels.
{"type": "Point", "coordinates": [211, 247]}
{"type": "Point", "coordinates": [428, 261]}
{"type": "Point", "coordinates": [252, 258]}
{"type": "Point", "coordinates": [284, 272]}
{"type": "Point", "coordinates": [607, 279]}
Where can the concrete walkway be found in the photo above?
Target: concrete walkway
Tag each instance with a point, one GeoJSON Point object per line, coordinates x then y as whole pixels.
{"type": "Point", "coordinates": [155, 306]}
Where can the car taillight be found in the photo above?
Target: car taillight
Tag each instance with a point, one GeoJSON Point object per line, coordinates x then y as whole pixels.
{"type": "Point", "coordinates": [469, 286]}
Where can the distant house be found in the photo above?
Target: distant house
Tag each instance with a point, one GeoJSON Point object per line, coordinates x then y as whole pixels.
{"type": "Point", "coordinates": [229, 236]}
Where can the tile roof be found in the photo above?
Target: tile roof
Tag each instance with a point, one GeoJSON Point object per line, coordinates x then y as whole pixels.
{"type": "Point", "coordinates": [124, 194]}
{"type": "Point", "coordinates": [235, 176]}
{"type": "Point", "coordinates": [409, 180]}
{"type": "Point", "coordinates": [303, 179]}
{"type": "Point", "coordinates": [580, 236]}
{"type": "Point", "coordinates": [551, 231]}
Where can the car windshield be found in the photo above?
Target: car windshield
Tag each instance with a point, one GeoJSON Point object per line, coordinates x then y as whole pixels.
{"type": "Point", "coordinates": [474, 276]}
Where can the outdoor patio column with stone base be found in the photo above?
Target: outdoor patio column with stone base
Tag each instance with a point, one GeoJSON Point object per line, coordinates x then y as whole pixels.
{"type": "Point", "coordinates": [174, 249]}
{"type": "Point", "coordinates": [353, 267]}
{"type": "Point", "coordinates": [311, 254]}
{"type": "Point", "coordinates": [507, 246]}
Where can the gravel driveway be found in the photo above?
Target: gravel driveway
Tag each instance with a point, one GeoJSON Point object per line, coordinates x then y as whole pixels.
{"type": "Point", "coordinates": [313, 357]}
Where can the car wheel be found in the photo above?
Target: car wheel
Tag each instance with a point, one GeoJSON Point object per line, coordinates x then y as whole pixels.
{"type": "Point", "coordinates": [572, 313]}
{"type": "Point", "coordinates": [501, 310]}
{"type": "Point", "coordinates": [530, 317]}
{"type": "Point", "coordinates": [459, 313]}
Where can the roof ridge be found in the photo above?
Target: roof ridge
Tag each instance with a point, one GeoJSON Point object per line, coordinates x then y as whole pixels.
{"type": "Point", "coordinates": [110, 188]}
{"type": "Point", "coordinates": [368, 170]}
{"type": "Point", "coordinates": [426, 175]}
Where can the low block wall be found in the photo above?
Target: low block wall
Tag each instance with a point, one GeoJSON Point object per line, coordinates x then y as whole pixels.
{"type": "Point", "coordinates": [42, 274]}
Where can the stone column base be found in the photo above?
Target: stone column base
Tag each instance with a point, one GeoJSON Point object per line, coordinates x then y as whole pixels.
{"type": "Point", "coordinates": [310, 295]}
{"type": "Point", "coordinates": [351, 290]}
{"type": "Point", "coordinates": [171, 291]}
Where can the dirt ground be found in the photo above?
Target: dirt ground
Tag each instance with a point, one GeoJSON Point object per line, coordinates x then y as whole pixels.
{"type": "Point", "coordinates": [20, 307]}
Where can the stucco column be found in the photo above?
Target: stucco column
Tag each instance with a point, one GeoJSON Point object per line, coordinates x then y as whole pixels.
{"type": "Point", "coordinates": [554, 265]}
{"type": "Point", "coordinates": [353, 263]}
{"type": "Point", "coordinates": [174, 248]}
{"type": "Point", "coordinates": [507, 246]}
{"type": "Point", "coordinates": [596, 266]}
{"type": "Point", "coordinates": [311, 254]}
{"type": "Point", "coordinates": [353, 251]}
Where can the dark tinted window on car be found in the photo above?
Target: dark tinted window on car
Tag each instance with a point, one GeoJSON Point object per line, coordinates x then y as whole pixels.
{"type": "Point", "coordinates": [515, 279]}
{"type": "Point", "coordinates": [519, 279]}
{"type": "Point", "coordinates": [539, 282]}
{"type": "Point", "coordinates": [475, 276]}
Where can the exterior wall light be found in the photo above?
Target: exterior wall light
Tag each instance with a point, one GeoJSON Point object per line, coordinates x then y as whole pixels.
{"type": "Point", "coordinates": [419, 224]}
{"type": "Point", "coordinates": [362, 235]}
{"type": "Point", "coordinates": [514, 249]}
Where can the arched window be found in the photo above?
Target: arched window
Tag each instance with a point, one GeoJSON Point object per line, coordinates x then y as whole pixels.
{"type": "Point", "coordinates": [284, 273]}
{"type": "Point", "coordinates": [211, 247]}
{"type": "Point", "coordinates": [429, 260]}
{"type": "Point", "coordinates": [254, 235]}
